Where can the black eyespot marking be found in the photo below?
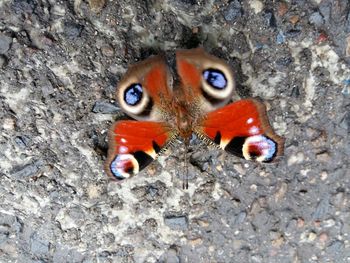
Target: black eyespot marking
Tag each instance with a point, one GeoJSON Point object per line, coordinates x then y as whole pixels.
{"type": "Point", "coordinates": [133, 94]}
{"type": "Point", "coordinates": [148, 109]}
{"type": "Point", "coordinates": [215, 78]}
{"type": "Point", "coordinates": [210, 98]}
{"type": "Point", "coordinates": [156, 147]}
{"type": "Point", "coordinates": [217, 138]}
{"type": "Point", "coordinates": [235, 146]}
{"type": "Point", "coordinates": [143, 159]}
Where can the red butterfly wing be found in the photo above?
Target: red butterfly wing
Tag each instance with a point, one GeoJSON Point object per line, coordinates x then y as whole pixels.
{"type": "Point", "coordinates": [242, 128]}
{"type": "Point", "coordinates": [144, 91]}
{"type": "Point", "coordinates": [133, 145]}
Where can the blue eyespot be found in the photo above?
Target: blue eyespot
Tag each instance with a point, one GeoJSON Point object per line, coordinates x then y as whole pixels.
{"type": "Point", "coordinates": [215, 78]}
{"type": "Point", "coordinates": [133, 94]}
{"type": "Point", "coordinates": [116, 170]}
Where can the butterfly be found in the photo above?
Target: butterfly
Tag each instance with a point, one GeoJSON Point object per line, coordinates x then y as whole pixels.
{"type": "Point", "coordinates": [167, 104]}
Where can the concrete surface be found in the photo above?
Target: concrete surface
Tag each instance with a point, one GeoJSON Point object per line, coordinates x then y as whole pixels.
{"type": "Point", "coordinates": [60, 62]}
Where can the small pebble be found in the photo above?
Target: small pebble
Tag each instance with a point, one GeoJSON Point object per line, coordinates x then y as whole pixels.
{"type": "Point", "coordinates": [294, 19]}
{"type": "Point", "coordinates": [72, 30]}
{"type": "Point", "coordinates": [219, 168]}
{"type": "Point", "coordinates": [321, 209]}
{"type": "Point", "coordinates": [335, 247]}
{"type": "Point", "coordinates": [282, 8]}
{"type": "Point", "coordinates": [304, 172]}
{"type": "Point", "coordinates": [93, 191]}
{"type": "Point", "coordinates": [263, 174]}
{"type": "Point", "coordinates": [176, 222]}
{"type": "Point", "coordinates": [253, 187]}
{"type": "Point", "coordinates": [9, 124]}
{"type": "Point", "coordinates": [105, 108]}
{"type": "Point", "coordinates": [270, 18]}
{"type": "Point", "coordinates": [316, 19]}
{"type": "Point", "coordinates": [317, 223]}
{"type": "Point", "coordinates": [196, 242]}
{"type": "Point", "coordinates": [171, 256]}
{"type": "Point", "coordinates": [284, 61]}
{"type": "Point", "coordinates": [281, 192]}
{"type": "Point", "coordinates": [322, 37]}
{"type": "Point", "coordinates": [97, 5]}
{"type": "Point", "coordinates": [280, 39]}
{"type": "Point", "coordinates": [3, 61]}
{"type": "Point", "coordinates": [296, 159]}
{"type": "Point", "coordinates": [239, 168]}
{"type": "Point", "coordinates": [323, 157]}
{"type": "Point", "coordinates": [347, 50]}
{"type": "Point", "coordinates": [295, 92]}
{"type": "Point", "coordinates": [240, 218]}
{"type": "Point", "coordinates": [203, 223]}
{"type": "Point", "coordinates": [107, 51]}
{"type": "Point", "coordinates": [339, 200]}
{"type": "Point", "coordinates": [323, 238]}
{"type": "Point", "coordinates": [329, 223]}
{"type": "Point", "coordinates": [27, 170]}
{"type": "Point", "coordinates": [277, 238]}
{"type": "Point", "coordinates": [320, 140]}
{"type": "Point", "coordinates": [255, 208]}
{"type": "Point", "coordinates": [345, 91]}
{"type": "Point", "coordinates": [301, 222]}
{"type": "Point", "coordinates": [39, 246]}
{"type": "Point", "coordinates": [237, 244]}
{"type": "Point", "coordinates": [311, 236]}
{"type": "Point", "coordinates": [292, 33]}
{"type": "Point", "coordinates": [345, 121]}
{"type": "Point", "coordinates": [324, 175]}
{"type": "Point", "coordinates": [5, 43]}
{"type": "Point", "coordinates": [22, 141]}
{"type": "Point", "coordinates": [256, 5]}
{"type": "Point", "coordinates": [233, 11]}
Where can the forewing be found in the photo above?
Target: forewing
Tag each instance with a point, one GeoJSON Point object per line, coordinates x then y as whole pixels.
{"type": "Point", "coordinates": [146, 89]}
{"type": "Point", "coordinates": [206, 80]}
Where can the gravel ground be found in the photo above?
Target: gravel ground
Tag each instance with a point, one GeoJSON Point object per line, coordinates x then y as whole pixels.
{"type": "Point", "coordinates": [60, 62]}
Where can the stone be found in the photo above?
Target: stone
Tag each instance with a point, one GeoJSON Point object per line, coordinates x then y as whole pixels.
{"type": "Point", "coordinates": [72, 30]}
{"type": "Point", "coordinates": [39, 246]}
{"type": "Point", "coordinates": [27, 170]}
{"type": "Point", "coordinates": [316, 19]}
{"type": "Point", "coordinates": [105, 108]}
{"type": "Point", "coordinates": [233, 11]}
{"type": "Point", "coordinates": [176, 222]}
{"type": "Point", "coordinates": [321, 209]}
{"type": "Point", "coordinates": [282, 8]}
{"type": "Point", "coordinates": [5, 43]}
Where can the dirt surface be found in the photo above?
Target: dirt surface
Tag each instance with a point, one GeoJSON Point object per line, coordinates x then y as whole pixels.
{"type": "Point", "coordinates": [60, 62]}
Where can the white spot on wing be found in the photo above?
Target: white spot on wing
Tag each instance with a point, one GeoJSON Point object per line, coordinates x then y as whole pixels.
{"type": "Point", "coordinates": [123, 149]}
{"type": "Point", "coordinates": [254, 130]}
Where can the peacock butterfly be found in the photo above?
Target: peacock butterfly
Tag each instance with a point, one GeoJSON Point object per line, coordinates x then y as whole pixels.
{"type": "Point", "coordinates": [192, 100]}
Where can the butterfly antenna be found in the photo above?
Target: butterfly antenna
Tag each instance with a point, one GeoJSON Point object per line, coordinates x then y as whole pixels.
{"type": "Point", "coordinates": [185, 176]}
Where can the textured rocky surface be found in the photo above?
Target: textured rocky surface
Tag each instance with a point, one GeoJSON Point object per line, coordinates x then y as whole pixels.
{"type": "Point", "coordinates": [60, 62]}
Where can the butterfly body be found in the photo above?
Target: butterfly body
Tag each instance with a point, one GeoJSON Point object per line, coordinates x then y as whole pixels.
{"type": "Point", "coordinates": [192, 100]}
